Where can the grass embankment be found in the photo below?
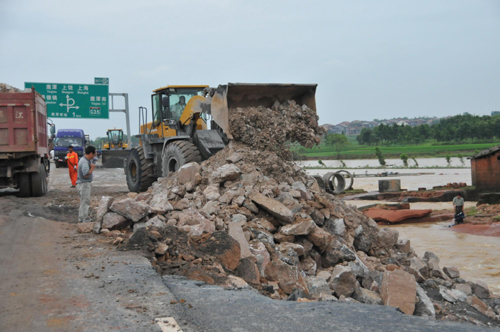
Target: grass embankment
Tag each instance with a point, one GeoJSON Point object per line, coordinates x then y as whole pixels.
{"type": "Point", "coordinates": [426, 150]}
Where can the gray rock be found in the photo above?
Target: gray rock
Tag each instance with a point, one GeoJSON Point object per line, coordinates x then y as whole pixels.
{"type": "Point", "coordinates": [273, 207]}
{"type": "Point", "coordinates": [424, 306]}
{"type": "Point", "coordinates": [102, 209]}
{"type": "Point", "coordinates": [236, 232]}
{"type": "Point", "coordinates": [343, 281]}
{"type": "Point", "coordinates": [211, 207]}
{"type": "Point", "coordinates": [234, 158]}
{"type": "Point", "coordinates": [227, 172]}
{"type": "Point", "coordinates": [130, 209]}
{"type": "Point", "coordinates": [325, 275]}
{"type": "Point", "coordinates": [327, 298]}
{"type": "Point", "coordinates": [157, 221]}
{"type": "Point", "coordinates": [160, 204]}
{"type": "Point", "coordinates": [309, 266]}
{"type": "Point", "coordinates": [114, 221]}
{"type": "Point", "coordinates": [418, 268]}
{"type": "Point", "coordinates": [338, 253]}
{"type": "Point", "coordinates": [336, 226]}
{"type": "Point", "coordinates": [238, 200]}
{"type": "Point", "coordinates": [301, 227]}
{"type": "Point", "coordinates": [447, 295]}
{"type": "Point", "coordinates": [362, 242]}
{"type": "Point", "coordinates": [366, 296]}
{"type": "Point", "coordinates": [451, 272]}
{"type": "Point", "coordinates": [238, 218]}
{"type": "Point", "coordinates": [465, 288]}
{"type": "Point", "coordinates": [187, 173]}
{"type": "Point", "coordinates": [371, 278]}
{"type": "Point", "coordinates": [317, 287]}
{"type": "Point", "coordinates": [480, 289]}
{"type": "Point", "coordinates": [211, 192]}
{"type": "Point", "coordinates": [138, 225]}
{"type": "Point", "coordinates": [404, 245]}
{"type": "Point", "coordinates": [359, 268]}
{"type": "Point", "coordinates": [432, 262]}
{"type": "Point", "coordinates": [387, 237]}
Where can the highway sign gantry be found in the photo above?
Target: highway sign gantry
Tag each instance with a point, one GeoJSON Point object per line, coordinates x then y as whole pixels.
{"type": "Point", "coordinates": [67, 100]}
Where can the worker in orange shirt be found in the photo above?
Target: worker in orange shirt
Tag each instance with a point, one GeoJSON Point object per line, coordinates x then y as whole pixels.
{"type": "Point", "coordinates": [72, 159]}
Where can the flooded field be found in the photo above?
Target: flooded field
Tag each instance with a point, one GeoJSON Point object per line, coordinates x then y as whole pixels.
{"type": "Point", "coordinates": [363, 163]}
{"type": "Point", "coordinates": [428, 179]}
{"type": "Point", "coordinates": [477, 257]}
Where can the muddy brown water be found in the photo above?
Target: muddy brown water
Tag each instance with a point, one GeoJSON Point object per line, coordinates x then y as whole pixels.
{"type": "Point", "coordinates": [477, 257]}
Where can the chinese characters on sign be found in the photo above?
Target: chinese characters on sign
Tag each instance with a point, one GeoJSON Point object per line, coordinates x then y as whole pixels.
{"type": "Point", "coordinates": [74, 100]}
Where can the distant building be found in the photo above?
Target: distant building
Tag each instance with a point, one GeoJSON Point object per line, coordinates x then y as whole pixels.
{"type": "Point", "coordinates": [485, 169]}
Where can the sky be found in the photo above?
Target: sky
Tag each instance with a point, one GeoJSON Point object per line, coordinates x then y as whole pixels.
{"type": "Point", "coordinates": [371, 59]}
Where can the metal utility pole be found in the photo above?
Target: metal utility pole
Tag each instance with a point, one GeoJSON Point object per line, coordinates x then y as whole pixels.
{"type": "Point", "coordinates": [126, 111]}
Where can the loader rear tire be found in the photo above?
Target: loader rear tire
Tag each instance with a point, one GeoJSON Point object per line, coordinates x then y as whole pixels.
{"type": "Point", "coordinates": [138, 171]}
{"type": "Point", "coordinates": [177, 154]}
{"type": "Point", "coordinates": [23, 183]}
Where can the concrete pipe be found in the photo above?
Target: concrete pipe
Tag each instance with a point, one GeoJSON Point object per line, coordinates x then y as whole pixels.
{"type": "Point", "coordinates": [330, 186]}
{"type": "Point", "coordinates": [347, 175]}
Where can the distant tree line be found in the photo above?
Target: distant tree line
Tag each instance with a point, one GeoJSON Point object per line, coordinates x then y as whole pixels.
{"type": "Point", "coordinates": [458, 128]}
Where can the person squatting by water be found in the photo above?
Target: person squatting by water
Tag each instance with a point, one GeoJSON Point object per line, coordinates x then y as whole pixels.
{"type": "Point", "coordinates": [458, 204]}
{"type": "Point", "coordinates": [72, 160]}
{"type": "Point", "coordinates": [86, 167]}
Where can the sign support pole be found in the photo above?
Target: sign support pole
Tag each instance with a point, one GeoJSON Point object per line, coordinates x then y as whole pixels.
{"type": "Point", "coordinates": [126, 111]}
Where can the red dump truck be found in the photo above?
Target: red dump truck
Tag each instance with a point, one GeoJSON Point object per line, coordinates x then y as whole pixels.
{"type": "Point", "coordinates": [24, 159]}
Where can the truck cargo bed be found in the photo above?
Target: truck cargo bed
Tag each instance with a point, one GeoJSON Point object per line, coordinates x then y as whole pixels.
{"type": "Point", "coordinates": [23, 125]}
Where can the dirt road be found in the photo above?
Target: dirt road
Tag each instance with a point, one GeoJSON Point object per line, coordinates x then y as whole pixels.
{"type": "Point", "coordinates": [55, 279]}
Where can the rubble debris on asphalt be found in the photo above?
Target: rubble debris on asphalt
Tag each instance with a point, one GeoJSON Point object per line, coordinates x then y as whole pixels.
{"type": "Point", "coordinates": [247, 217]}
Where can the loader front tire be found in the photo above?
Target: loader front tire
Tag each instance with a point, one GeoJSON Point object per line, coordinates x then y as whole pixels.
{"type": "Point", "coordinates": [138, 171]}
{"type": "Point", "coordinates": [177, 154]}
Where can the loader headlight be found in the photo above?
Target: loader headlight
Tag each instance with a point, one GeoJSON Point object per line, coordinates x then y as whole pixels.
{"type": "Point", "coordinates": [171, 122]}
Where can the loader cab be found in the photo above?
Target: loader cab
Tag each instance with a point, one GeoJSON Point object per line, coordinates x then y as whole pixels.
{"type": "Point", "coordinates": [168, 105]}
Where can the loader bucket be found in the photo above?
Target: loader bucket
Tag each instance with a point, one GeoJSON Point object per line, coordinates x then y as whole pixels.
{"type": "Point", "coordinates": [243, 95]}
{"type": "Point", "coordinates": [114, 158]}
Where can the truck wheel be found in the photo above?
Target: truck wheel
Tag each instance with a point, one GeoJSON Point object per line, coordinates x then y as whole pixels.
{"type": "Point", "coordinates": [177, 154]}
{"type": "Point", "coordinates": [39, 182]}
{"type": "Point", "coordinates": [138, 171]}
{"type": "Point", "coordinates": [23, 182]}
{"type": "Point", "coordinates": [57, 164]}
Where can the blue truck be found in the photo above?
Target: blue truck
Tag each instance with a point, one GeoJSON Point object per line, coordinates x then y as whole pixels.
{"type": "Point", "coordinates": [64, 138]}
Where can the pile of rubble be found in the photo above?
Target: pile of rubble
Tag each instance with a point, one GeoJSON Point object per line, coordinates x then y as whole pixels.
{"type": "Point", "coordinates": [247, 217]}
{"type": "Point", "coordinates": [271, 129]}
{"type": "Point", "coordinates": [230, 222]}
{"type": "Point", "coordinates": [4, 87]}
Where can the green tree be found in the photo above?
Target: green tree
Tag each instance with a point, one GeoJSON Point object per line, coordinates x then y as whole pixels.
{"type": "Point", "coordinates": [338, 141]}
{"type": "Point", "coordinates": [404, 158]}
{"type": "Point", "coordinates": [448, 159]}
{"type": "Point", "coordinates": [380, 156]}
{"type": "Point", "coordinates": [415, 161]}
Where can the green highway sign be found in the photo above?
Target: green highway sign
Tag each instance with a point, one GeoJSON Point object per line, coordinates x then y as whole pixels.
{"type": "Point", "coordinates": [66, 100]}
{"type": "Point", "coordinates": [101, 80]}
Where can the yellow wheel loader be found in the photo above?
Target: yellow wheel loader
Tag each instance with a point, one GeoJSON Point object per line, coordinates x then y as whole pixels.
{"type": "Point", "coordinates": [190, 123]}
{"type": "Point", "coordinates": [115, 150]}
